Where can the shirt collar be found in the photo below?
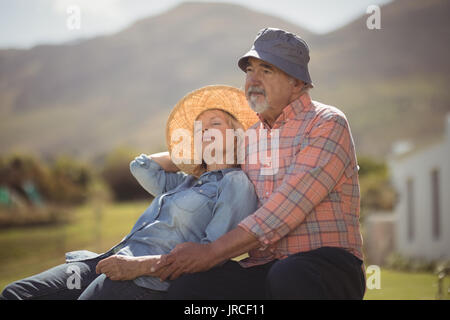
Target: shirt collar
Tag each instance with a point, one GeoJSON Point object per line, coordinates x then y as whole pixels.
{"type": "Point", "coordinates": [289, 112]}
{"type": "Point", "coordinates": [216, 175]}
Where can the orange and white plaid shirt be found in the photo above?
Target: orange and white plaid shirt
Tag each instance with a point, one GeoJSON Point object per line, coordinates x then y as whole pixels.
{"type": "Point", "coordinates": [313, 199]}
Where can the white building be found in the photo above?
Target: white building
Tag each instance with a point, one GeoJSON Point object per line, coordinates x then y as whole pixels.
{"type": "Point", "coordinates": [422, 215]}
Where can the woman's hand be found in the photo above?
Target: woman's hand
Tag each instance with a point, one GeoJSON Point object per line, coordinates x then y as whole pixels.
{"type": "Point", "coordinates": [119, 268]}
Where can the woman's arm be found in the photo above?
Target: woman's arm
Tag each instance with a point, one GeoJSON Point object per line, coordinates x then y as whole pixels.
{"type": "Point", "coordinates": [150, 172]}
{"type": "Point", "coordinates": [163, 159]}
{"type": "Point", "coordinates": [235, 201]}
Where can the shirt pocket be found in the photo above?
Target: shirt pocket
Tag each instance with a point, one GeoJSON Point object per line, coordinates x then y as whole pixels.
{"type": "Point", "coordinates": [195, 198]}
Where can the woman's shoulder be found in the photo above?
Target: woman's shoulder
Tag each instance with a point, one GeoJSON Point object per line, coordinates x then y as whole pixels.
{"type": "Point", "coordinates": [235, 186]}
{"type": "Point", "coordinates": [236, 178]}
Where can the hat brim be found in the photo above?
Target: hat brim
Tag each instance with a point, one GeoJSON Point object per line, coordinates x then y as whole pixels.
{"type": "Point", "coordinates": [292, 69]}
{"type": "Point", "coordinates": [186, 111]}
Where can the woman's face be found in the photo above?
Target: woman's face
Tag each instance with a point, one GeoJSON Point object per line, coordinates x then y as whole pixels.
{"type": "Point", "coordinates": [218, 120]}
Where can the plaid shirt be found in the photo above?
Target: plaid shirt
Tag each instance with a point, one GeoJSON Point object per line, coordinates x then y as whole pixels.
{"type": "Point", "coordinates": [312, 200]}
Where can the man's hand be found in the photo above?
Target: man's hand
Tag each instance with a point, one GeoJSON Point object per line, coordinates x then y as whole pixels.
{"type": "Point", "coordinates": [119, 267]}
{"type": "Point", "coordinates": [186, 257]}
{"type": "Point", "coordinates": [191, 257]}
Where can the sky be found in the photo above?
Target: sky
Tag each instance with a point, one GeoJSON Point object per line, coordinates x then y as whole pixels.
{"type": "Point", "coordinates": [25, 23]}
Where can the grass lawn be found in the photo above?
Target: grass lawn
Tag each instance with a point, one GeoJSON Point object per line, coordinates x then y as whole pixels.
{"type": "Point", "coordinates": [405, 286]}
{"type": "Point", "coordinates": [26, 251]}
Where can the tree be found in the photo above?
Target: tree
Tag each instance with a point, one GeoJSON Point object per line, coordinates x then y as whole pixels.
{"type": "Point", "coordinates": [117, 175]}
{"type": "Point", "coordinates": [377, 192]}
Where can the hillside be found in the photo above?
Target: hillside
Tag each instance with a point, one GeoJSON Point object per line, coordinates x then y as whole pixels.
{"type": "Point", "coordinates": [87, 97]}
{"type": "Point", "coordinates": [392, 83]}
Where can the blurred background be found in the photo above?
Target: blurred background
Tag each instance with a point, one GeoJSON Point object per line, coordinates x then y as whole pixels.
{"type": "Point", "coordinates": [86, 86]}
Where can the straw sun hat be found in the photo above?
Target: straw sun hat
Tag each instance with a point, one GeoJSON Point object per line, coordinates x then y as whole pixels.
{"type": "Point", "coordinates": [186, 111]}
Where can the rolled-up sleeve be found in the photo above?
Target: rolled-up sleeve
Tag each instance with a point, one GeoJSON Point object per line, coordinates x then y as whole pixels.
{"type": "Point", "coordinates": [152, 177]}
{"type": "Point", "coordinates": [315, 171]}
{"type": "Point", "coordinates": [236, 200]}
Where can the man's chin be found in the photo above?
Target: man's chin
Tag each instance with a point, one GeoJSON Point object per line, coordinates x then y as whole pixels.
{"type": "Point", "coordinates": [258, 108]}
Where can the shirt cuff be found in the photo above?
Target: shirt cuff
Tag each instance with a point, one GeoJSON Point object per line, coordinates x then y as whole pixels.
{"type": "Point", "coordinates": [152, 164]}
{"type": "Point", "coordinates": [251, 225]}
{"type": "Point", "coordinates": [144, 162]}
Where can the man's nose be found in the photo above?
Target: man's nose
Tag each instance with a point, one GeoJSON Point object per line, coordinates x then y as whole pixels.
{"type": "Point", "coordinates": [254, 78]}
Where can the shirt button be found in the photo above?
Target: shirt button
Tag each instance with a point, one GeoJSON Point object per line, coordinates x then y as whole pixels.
{"type": "Point", "coordinates": [267, 193]}
{"type": "Point", "coordinates": [200, 182]}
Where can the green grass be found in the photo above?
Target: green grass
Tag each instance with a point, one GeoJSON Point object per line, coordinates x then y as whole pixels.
{"type": "Point", "coordinates": [397, 285]}
{"type": "Point", "coordinates": [27, 251]}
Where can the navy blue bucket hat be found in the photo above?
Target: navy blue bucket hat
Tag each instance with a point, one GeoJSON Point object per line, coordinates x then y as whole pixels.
{"type": "Point", "coordinates": [284, 50]}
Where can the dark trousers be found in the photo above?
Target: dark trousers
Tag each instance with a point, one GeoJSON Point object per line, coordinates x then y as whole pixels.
{"type": "Point", "coordinates": [58, 284]}
{"type": "Point", "coordinates": [324, 273]}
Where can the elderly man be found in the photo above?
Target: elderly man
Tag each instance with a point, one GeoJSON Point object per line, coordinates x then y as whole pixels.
{"type": "Point", "coordinates": [304, 240]}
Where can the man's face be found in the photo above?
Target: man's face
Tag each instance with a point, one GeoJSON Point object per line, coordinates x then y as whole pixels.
{"type": "Point", "coordinates": [268, 89]}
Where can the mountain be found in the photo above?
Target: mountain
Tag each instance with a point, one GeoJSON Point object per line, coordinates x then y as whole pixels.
{"type": "Point", "coordinates": [87, 97]}
{"type": "Point", "coordinates": [393, 82]}
{"type": "Point", "coordinates": [413, 39]}
{"type": "Point", "coordinates": [90, 96]}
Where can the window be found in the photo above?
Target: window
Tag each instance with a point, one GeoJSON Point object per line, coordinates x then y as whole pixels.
{"type": "Point", "coordinates": [410, 207]}
{"type": "Point", "coordinates": [435, 207]}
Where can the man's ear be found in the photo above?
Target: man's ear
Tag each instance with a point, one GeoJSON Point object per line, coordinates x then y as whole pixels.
{"type": "Point", "coordinates": [297, 85]}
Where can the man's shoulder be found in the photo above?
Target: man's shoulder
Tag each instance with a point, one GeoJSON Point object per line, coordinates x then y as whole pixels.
{"type": "Point", "coordinates": [322, 113]}
{"type": "Point", "coordinates": [327, 112]}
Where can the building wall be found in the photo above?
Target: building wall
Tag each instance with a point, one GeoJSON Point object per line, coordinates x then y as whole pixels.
{"type": "Point", "coordinates": [379, 237]}
{"type": "Point", "coordinates": [418, 167]}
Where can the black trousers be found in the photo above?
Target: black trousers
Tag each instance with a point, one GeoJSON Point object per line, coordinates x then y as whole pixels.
{"type": "Point", "coordinates": [324, 273]}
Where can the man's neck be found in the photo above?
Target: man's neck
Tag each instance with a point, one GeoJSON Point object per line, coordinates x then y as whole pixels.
{"type": "Point", "coordinates": [272, 114]}
{"type": "Point", "coordinates": [270, 118]}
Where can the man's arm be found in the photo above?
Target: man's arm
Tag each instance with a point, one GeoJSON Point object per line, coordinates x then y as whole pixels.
{"type": "Point", "coordinates": [314, 172]}
{"type": "Point", "coordinates": [232, 244]}
{"type": "Point", "coordinates": [192, 257]}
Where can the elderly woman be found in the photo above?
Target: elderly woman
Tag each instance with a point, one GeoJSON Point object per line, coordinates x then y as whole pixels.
{"type": "Point", "coordinates": [198, 204]}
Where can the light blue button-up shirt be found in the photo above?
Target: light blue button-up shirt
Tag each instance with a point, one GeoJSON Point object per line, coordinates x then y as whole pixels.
{"type": "Point", "coordinates": [185, 209]}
